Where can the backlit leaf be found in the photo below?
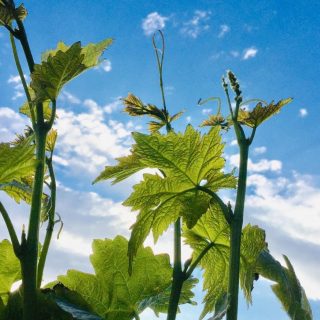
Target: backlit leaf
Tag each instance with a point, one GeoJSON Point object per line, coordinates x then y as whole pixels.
{"type": "Point", "coordinates": [25, 109]}
{"type": "Point", "coordinates": [9, 269]}
{"type": "Point", "coordinates": [287, 288]}
{"type": "Point", "coordinates": [259, 114]}
{"type": "Point", "coordinates": [61, 65]}
{"type": "Point", "coordinates": [111, 292]}
{"type": "Point", "coordinates": [7, 13]}
{"type": "Point", "coordinates": [127, 166]}
{"type": "Point", "coordinates": [17, 190]}
{"type": "Point", "coordinates": [188, 161]}
{"type": "Point", "coordinates": [212, 229]}
{"type": "Point", "coordinates": [16, 162]}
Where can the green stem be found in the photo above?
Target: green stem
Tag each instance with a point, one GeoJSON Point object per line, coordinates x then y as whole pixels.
{"type": "Point", "coordinates": [23, 80]}
{"type": "Point", "coordinates": [22, 36]}
{"type": "Point", "coordinates": [236, 228]}
{"type": "Point", "coordinates": [160, 65]}
{"type": "Point", "coordinates": [178, 276]}
{"type": "Point", "coordinates": [30, 252]}
{"type": "Point", "coordinates": [51, 214]}
{"type": "Point", "coordinates": [29, 247]}
{"type": "Point", "coordinates": [11, 230]}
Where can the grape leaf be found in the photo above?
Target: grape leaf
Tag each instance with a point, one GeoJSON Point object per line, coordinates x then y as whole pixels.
{"type": "Point", "coordinates": [111, 292]}
{"type": "Point", "coordinates": [17, 190]}
{"type": "Point", "coordinates": [51, 140]}
{"type": "Point", "coordinates": [212, 230]}
{"type": "Point", "coordinates": [16, 161]}
{"type": "Point", "coordinates": [188, 161]}
{"type": "Point", "coordinates": [259, 114]}
{"type": "Point", "coordinates": [61, 65]}
{"type": "Point", "coordinates": [7, 13]}
{"type": "Point", "coordinates": [25, 108]}
{"type": "Point", "coordinates": [127, 166]}
{"type": "Point", "coordinates": [287, 288]}
{"type": "Point", "coordinates": [9, 269]}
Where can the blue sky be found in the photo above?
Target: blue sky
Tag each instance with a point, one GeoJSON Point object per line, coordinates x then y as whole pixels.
{"type": "Point", "coordinates": [272, 46]}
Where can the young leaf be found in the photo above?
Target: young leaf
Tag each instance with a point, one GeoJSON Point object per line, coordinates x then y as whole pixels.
{"type": "Point", "coordinates": [8, 13]}
{"type": "Point", "coordinates": [288, 288]}
{"type": "Point", "coordinates": [111, 292]}
{"type": "Point", "coordinates": [259, 114]}
{"type": "Point", "coordinates": [16, 162]}
{"type": "Point", "coordinates": [127, 166]}
{"type": "Point", "coordinates": [213, 230]}
{"type": "Point", "coordinates": [9, 269]}
{"type": "Point", "coordinates": [25, 109]}
{"type": "Point", "coordinates": [17, 190]}
{"type": "Point", "coordinates": [51, 140]}
{"type": "Point", "coordinates": [187, 161]}
{"type": "Point", "coordinates": [62, 65]}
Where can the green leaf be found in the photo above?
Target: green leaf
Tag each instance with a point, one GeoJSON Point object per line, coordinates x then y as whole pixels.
{"type": "Point", "coordinates": [16, 162]}
{"type": "Point", "coordinates": [188, 161]}
{"type": "Point", "coordinates": [62, 65]}
{"type": "Point", "coordinates": [17, 190]}
{"type": "Point", "coordinates": [259, 114]}
{"type": "Point", "coordinates": [111, 292]}
{"type": "Point", "coordinates": [212, 230]}
{"type": "Point", "coordinates": [9, 269]}
{"type": "Point", "coordinates": [288, 288]}
{"type": "Point", "coordinates": [51, 140]}
{"type": "Point", "coordinates": [126, 167]}
{"type": "Point", "coordinates": [25, 109]}
{"type": "Point", "coordinates": [7, 13]}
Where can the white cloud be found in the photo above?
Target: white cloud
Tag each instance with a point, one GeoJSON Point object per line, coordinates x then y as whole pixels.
{"type": "Point", "coordinates": [105, 65]}
{"type": "Point", "coordinates": [235, 53]}
{"type": "Point", "coordinates": [17, 85]}
{"type": "Point", "coordinates": [224, 29]}
{"type": "Point", "coordinates": [206, 111]}
{"type": "Point", "coordinates": [288, 208]}
{"type": "Point", "coordinates": [218, 55]}
{"type": "Point", "coordinates": [169, 90]}
{"type": "Point", "coordinates": [260, 166]}
{"type": "Point", "coordinates": [113, 106]}
{"type": "Point", "coordinates": [11, 123]}
{"type": "Point", "coordinates": [153, 22]}
{"type": "Point", "coordinates": [199, 23]}
{"type": "Point", "coordinates": [188, 119]}
{"type": "Point", "coordinates": [303, 113]}
{"type": "Point", "coordinates": [260, 150]}
{"type": "Point", "coordinates": [234, 142]}
{"type": "Point", "coordinates": [86, 141]}
{"type": "Point", "coordinates": [69, 98]}
{"type": "Point", "coordinates": [249, 53]}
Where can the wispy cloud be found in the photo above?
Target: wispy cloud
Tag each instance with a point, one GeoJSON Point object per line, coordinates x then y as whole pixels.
{"type": "Point", "coordinates": [11, 123]}
{"type": "Point", "coordinates": [224, 29]}
{"type": "Point", "coordinates": [303, 113]}
{"type": "Point", "coordinates": [105, 66]}
{"type": "Point", "coordinates": [289, 209]}
{"type": "Point", "coordinates": [197, 24]}
{"type": "Point", "coordinates": [206, 111]}
{"type": "Point", "coordinates": [69, 97]}
{"type": "Point", "coordinates": [153, 22]}
{"type": "Point", "coordinates": [260, 150]}
{"type": "Point", "coordinates": [235, 53]}
{"type": "Point", "coordinates": [261, 166]}
{"type": "Point", "coordinates": [17, 85]}
{"type": "Point", "coordinates": [249, 53]}
{"type": "Point", "coordinates": [188, 119]}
